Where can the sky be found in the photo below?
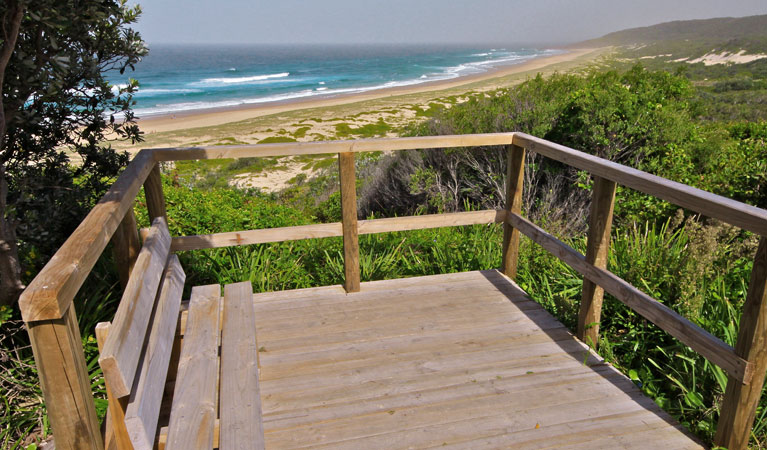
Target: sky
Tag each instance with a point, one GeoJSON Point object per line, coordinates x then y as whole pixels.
{"type": "Point", "coordinates": [415, 21]}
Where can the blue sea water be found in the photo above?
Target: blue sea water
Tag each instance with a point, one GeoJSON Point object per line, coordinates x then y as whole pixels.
{"type": "Point", "coordinates": [183, 78]}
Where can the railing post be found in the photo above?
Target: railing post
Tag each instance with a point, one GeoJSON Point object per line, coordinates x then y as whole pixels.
{"type": "Point", "coordinates": [155, 200]}
{"type": "Point", "coordinates": [740, 400]}
{"type": "Point", "coordinates": [515, 175]}
{"type": "Point", "coordinates": [349, 221]}
{"type": "Point", "coordinates": [597, 250]}
{"type": "Point", "coordinates": [58, 350]}
{"type": "Point", "coordinates": [125, 246]}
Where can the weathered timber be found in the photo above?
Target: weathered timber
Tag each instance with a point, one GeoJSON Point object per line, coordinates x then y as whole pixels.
{"type": "Point", "coordinates": [122, 350]}
{"type": "Point", "coordinates": [60, 361]}
{"type": "Point", "coordinates": [316, 148]}
{"type": "Point", "coordinates": [711, 205]}
{"type": "Point", "coordinates": [348, 183]}
{"type": "Point", "coordinates": [116, 433]}
{"type": "Point", "coordinates": [144, 405]}
{"type": "Point", "coordinates": [126, 246]}
{"type": "Point", "coordinates": [51, 292]}
{"type": "Point", "coordinates": [700, 340]}
{"type": "Point", "coordinates": [236, 238]}
{"type": "Point", "coordinates": [515, 176]}
{"type": "Point", "coordinates": [335, 229]}
{"type": "Point", "coordinates": [473, 369]}
{"type": "Point", "coordinates": [194, 398]}
{"type": "Point", "coordinates": [740, 401]}
{"type": "Point", "coordinates": [155, 199]}
{"type": "Point", "coordinates": [597, 251]}
{"type": "Point", "coordinates": [241, 423]}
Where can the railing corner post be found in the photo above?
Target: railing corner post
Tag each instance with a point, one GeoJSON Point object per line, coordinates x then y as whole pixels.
{"type": "Point", "coordinates": [515, 175]}
{"type": "Point", "coordinates": [65, 382]}
{"type": "Point", "coordinates": [740, 400]}
{"type": "Point", "coordinates": [126, 246]}
{"type": "Point", "coordinates": [155, 199]}
{"type": "Point", "coordinates": [597, 251]}
{"type": "Point", "coordinates": [348, 182]}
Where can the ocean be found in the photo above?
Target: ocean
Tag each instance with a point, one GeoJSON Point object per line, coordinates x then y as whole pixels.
{"type": "Point", "coordinates": [183, 78]}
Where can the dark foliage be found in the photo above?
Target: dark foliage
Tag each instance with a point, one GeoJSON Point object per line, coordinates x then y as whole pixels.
{"type": "Point", "coordinates": [59, 113]}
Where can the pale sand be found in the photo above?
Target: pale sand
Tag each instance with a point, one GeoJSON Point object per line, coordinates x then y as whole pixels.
{"type": "Point", "coordinates": [273, 180]}
{"type": "Point", "coordinates": [207, 118]}
{"type": "Point", "coordinates": [711, 59]}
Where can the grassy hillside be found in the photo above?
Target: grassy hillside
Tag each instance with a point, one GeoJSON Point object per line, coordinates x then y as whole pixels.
{"type": "Point", "coordinates": [691, 38]}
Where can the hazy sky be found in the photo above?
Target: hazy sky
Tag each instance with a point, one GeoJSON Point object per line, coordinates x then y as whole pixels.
{"type": "Point", "coordinates": [416, 21]}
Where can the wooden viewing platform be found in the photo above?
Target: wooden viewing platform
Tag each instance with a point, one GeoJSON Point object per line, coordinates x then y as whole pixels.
{"type": "Point", "coordinates": [454, 360]}
{"type": "Point", "coordinates": [461, 360]}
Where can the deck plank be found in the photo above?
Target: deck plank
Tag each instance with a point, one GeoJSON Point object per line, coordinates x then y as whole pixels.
{"type": "Point", "coordinates": [194, 409]}
{"type": "Point", "coordinates": [241, 426]}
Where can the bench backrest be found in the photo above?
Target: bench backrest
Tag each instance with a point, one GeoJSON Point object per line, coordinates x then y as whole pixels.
{"type": "Point", "coordinates": [137, 349]}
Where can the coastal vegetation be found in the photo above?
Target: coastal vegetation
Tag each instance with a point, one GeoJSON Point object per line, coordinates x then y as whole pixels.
{"type": "Point", "coordinates": [54, 95]}
{"type": "Point", "coordinates": [705, 126]}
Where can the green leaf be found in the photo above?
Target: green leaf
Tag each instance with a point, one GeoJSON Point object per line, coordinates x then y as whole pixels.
{"type": "Point", "coordinates": [693, 399]}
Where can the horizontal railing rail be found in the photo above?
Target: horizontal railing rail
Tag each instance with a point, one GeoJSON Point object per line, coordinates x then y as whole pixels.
{"type": "Point", "coordinates": [727, 210]}
{"type": "Point", "coordinates": [46, 304]}
{"type": "Point", "coordinates": [335, 229]}
{"type": "Point", "coordinates": [695, 337]}
{"type": "Point", "coordinates": [325, 147]}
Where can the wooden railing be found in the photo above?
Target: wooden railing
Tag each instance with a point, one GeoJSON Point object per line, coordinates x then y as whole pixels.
{"type": "Point", "coordinates": [47, 309]}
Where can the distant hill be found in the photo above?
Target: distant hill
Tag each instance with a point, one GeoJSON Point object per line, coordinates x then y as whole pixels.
{"type": "Point", "coordinates": [691, 38]}
{"type": "Point", "coordinates": [719, 29]}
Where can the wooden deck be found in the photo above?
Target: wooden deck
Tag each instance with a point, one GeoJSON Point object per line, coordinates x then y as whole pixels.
{"type": "Point", "coordinates": [459, 360]}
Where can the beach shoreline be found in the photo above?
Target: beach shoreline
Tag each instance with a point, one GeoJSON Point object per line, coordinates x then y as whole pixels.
{"type": "Point", "coordinates": [218, 116]}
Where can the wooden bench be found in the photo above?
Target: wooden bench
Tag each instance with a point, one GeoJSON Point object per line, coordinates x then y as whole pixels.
{"type": "Point", "coordinates": [155, 344]}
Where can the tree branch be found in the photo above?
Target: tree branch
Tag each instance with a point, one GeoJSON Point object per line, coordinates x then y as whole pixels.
{"type": "Point", "coordinates": [10, 35]}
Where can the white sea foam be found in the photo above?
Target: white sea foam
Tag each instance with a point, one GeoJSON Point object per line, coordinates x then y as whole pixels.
{"type": "Point", "coordinates": [321, 82]}
{"type": "Point", "coordinates": [239, 80]}
{"type": "Point", "coordinates": [482, 54]}
{"type": "Point", "coordinates": [321, 89]}
{"type": "Point", "coordinates": [156, 91]}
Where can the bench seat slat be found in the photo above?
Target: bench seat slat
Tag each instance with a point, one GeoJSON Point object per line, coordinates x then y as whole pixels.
{"type": "Point", "coordinates": [143, 408]}
{"type": "Point", "coordinates": [240, 409]}
{"type": "Point", "coordinates": [193, 413]}
{"type": "Point", "coordinates": [116, 435]}
{"type": "Point", "coordinates": [122, 350]}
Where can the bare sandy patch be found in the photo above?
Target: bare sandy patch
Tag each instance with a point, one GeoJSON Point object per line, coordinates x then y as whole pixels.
{"type": "Point", "coordinates": [272, 180]}
{"type": "Point", "coordinates": [741, 57]}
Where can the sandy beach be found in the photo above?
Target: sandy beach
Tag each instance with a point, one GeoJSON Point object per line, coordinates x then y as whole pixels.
{"type": "Point", "coordinates": [207, 118]}
{"type": "Point", "coordinates": [379, 113]}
